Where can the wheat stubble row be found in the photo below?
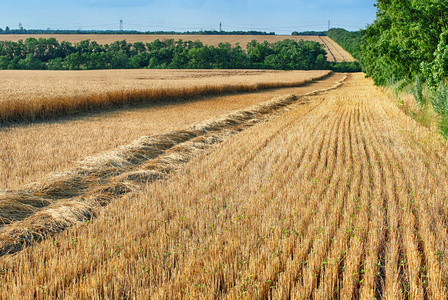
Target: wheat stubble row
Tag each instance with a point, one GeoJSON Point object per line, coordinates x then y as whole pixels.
{"type": "Point", "coordinates": [342, 197]}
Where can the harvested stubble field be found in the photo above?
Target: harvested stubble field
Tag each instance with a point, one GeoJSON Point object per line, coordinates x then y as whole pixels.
{"type": "Point", "coordinates": [67, 199]}
{"type": "Point", "coordinates": [340, 195]}
{"type": "Point", "coordinates": [27, 152]}
{"type": "Point", "coordinates": [332, 48]}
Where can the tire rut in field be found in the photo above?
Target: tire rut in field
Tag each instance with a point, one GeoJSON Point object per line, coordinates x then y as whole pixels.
{"type": "Point", "coordinates": [333, 252]}
{"type": "Point", "coordinates": [376, 239]}
{"type": "Point", "coordinates": [402, 256]}
{"type": "Point", "coordinates": [69, 198]}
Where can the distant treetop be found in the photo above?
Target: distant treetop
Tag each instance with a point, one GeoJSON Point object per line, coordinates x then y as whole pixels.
{"type": "Point", "coordinates": [58, 31]}
{"type": "Point", "coordinates": [316, 33]}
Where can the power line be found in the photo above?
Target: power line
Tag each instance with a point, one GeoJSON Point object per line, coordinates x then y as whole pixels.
{"type": "Point", "coordinates": [196, 27]}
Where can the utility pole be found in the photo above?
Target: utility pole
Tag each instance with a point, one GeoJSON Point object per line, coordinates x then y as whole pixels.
{"type": "Point", "coordinates": [328, 24]}
{"type": "Point", "coordinates": [220, 26]}
{"type": "Point", "coordinates": [121, 25]}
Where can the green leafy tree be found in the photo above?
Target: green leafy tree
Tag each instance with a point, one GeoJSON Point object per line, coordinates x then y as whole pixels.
{"type": "Point", "coordinates": [73, 62]}
{"type": "Point", "coordinates": [402, 42]}
{"type": "Point", "coordinates": [257, 52]}
{"type": "Point", "coordinates": [4, 62]}
{"type": "Point", "coordinates": [56, 64]}
{"type": "Point", "coordinates": [180, 60]}
{"type": "Point", "coordinates": [30, 63]}
{"type": "Point", "coordinates": [436, 71]}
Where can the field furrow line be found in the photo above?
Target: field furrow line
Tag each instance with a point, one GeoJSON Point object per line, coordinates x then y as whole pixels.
{"type": "Point", "coordinates": [289, 274]}
{"type": "Point", "coordinates": [324, 226]}
{"type": "Point", "coordinates": [410, 259]}
{"type": "Point", "coordinates": [352, 271]}
{"type": "Point", "coordinates": [426, 228]}
{"type": "Point", "coordinates": [331, 264]}
{"type": "Point", "coordinates": [373, 279]}
{"type": "Point", "coordinates": [305, 192]}
{"type": "Point", "coordinates": [427, 185]}
{"type": "Point", "coordinates": [394, 244]}
{"type": "Point", "coordinates": [418, 187]}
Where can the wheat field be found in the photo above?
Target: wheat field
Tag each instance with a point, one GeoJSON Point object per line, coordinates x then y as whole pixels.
{"type": "Point", "coordinates": [335, 52]}
{"type": "Point", "coordinates": [30, 151]}
{"type": "Point", "coordinates": [41, 95]}
{"type": "Point", "coordinates": [332, 195]}
{"type": "Point", "coordinates": [63, 200]}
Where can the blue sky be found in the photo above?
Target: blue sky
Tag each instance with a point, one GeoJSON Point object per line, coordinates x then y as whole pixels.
{"type": "Point", "coordinates": [281, 16]}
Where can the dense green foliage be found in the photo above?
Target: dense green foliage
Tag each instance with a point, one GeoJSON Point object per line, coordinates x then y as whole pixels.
{"type": "Point", "coordinates": [346, 67]}
{"type": "Point", "coordinates": [349, 40]}
{"type": "Point", "coordinates": [408, 44]}
{"type": "Point", "coordinates": [408, 39]}
{"type": "Point", "coordinates": [33, 54]}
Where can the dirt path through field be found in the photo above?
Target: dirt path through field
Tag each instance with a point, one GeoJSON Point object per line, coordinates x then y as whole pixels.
{"type": "Point", "coordinates": [343, 196]}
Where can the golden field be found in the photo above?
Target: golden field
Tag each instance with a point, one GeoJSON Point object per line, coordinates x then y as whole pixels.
{"type": "Point", "coordinates": [335, 52]}
{"type": "Point", "coordinates": [330, 195]}
{"type": "Point", "coordinates": [59, 201]}
{"type": "Point", "coordinates": [28, 152]}
{"type": "Point", "coordinates": [40, 95]}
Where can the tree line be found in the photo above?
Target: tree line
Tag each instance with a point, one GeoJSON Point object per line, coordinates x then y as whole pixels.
{"type": "Point", "coordinates": [49, 54]}
{"type": "Point", "coordinates": [408, 45]}
{"type": "Point", "coordinates": [407, 39]}
{"type": "Point", "coordinates": [313, 33]}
